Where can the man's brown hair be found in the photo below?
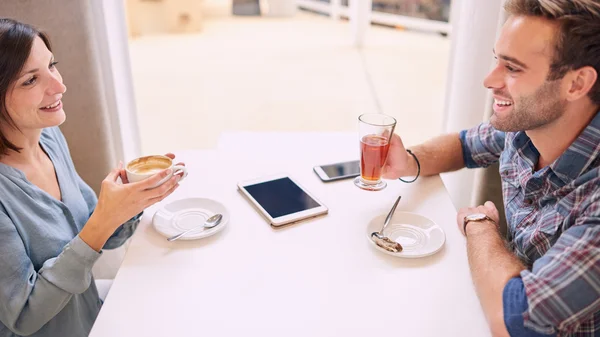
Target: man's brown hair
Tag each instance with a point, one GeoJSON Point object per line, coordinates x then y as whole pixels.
{"type": "Point", "coordinates": [577, 43]}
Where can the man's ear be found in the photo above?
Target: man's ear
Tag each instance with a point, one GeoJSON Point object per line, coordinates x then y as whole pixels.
{"type": "Point", "coordinates": [580, 82]}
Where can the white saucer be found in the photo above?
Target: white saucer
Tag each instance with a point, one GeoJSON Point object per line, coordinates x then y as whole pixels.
{"type": "Point", "coordinates": [180, 215]}
{"type": "Point", "coordinates": [418, 235]}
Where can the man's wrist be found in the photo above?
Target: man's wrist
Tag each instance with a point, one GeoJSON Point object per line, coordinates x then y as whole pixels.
{"type": "Point", "coordinates": [414, 168]}
{"type": "Point", "coordinates": [474, 228]}
{"type": "Point", "coordinates": [413, 165]}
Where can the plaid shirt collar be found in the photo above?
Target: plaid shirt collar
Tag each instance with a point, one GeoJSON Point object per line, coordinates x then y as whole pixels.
{"type": "Point", "coordinates": [578, 157]}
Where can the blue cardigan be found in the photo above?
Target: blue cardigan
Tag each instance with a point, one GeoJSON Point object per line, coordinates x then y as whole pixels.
{"type": "Point", "coordinates": [46, 283]}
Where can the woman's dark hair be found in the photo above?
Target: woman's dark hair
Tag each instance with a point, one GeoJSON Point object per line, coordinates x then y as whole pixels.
{"type": "Point", "coordinates": [16, 40]}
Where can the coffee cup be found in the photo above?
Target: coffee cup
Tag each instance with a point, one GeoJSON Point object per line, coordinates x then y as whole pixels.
{"type": "Point", "coordinates": [145, 167]}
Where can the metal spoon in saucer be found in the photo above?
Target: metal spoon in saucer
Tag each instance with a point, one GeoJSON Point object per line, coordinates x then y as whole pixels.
{"type": "Point", "coordinates": [382, 240]}
{"type": "Point", "coordinates": [209, 223]}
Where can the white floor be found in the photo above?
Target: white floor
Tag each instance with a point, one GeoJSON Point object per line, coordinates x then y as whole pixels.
{"type": "Point", "coordinates": [289, 74]}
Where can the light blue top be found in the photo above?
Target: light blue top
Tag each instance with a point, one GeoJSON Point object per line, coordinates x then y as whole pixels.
{"type": "Point", "coordinates": [46, 283]}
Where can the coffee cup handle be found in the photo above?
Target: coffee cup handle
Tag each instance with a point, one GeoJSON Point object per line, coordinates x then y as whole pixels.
{"type": "Point", "coordinates": [179, 169]}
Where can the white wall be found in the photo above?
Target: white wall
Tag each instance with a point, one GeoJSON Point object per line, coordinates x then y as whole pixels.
{"type": "Point", "coordinates": [113, 47]}
{"type": "Point", "coordinates": [111, 34]}
{"type": "Point", "coordinates": [474, 32]}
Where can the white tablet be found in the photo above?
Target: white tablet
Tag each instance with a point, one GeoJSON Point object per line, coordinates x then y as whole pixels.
{"type": "Point", "coordinates": [281, 200]}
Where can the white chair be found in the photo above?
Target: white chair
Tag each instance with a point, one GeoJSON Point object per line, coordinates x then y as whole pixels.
{"type": "Point", "coordinates": [103, 286]}
{"type": "Point", "coordinates": [106, 268]}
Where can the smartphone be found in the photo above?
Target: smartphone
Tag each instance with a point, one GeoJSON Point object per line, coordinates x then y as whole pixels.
{"type": "Point", "coordinates": [338, 171]}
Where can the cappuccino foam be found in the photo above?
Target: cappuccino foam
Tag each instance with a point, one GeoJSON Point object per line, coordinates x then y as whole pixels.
{"type": "Point", "coordinates": [149, 165]}
{"type": "Point", "coordinates": [148, 170]}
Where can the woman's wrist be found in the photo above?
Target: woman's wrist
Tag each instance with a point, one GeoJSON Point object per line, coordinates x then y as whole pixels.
{"type": "Point", "coordinates": [95, 233]}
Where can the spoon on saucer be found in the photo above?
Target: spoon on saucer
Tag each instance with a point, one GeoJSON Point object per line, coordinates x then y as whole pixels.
{"type": "Point", "coordinates": [209, 223]}
{"type": "Point", "coordinates": [382, 240]}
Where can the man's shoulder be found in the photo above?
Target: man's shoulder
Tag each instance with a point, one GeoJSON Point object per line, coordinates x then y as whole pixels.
{"type": "Point", "coordinates": [592, 208]}
{"type": "Point", "coordinates": [585, 193]}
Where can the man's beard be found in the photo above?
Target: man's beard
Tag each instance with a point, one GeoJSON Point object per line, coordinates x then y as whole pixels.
{"type": "Point", "coordinates": [532, 112]}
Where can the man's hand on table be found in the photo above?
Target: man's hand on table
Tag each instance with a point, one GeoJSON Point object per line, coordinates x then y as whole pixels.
{"type": "Point", "coordinates": [488, 209]}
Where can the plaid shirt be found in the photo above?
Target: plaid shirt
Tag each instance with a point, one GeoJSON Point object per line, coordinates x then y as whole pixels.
{"type": "Point", "coordinates": [553, 220]}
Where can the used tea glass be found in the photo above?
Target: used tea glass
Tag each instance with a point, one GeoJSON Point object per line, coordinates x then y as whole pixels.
{"type": "Point", "coordinates": [375, 132]}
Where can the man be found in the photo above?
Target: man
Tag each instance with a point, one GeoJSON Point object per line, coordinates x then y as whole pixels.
{"type": "Point", "coordinates": [545, 132]}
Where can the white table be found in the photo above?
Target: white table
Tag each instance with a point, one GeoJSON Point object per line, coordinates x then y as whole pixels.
{"type": "Point", "coordinates": [317, 278]}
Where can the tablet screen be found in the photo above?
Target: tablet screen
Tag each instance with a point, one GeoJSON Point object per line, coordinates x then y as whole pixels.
{"type": "Point", "coordinates": [281, 197]}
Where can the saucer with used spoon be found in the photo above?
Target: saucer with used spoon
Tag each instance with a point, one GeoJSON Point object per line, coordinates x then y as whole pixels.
{"type": "Point", "coordinates": [211, 222]}
{"type": "Point", "coordinates": [190, 214]}
{"type": "Point", "coordinates": [383, 241]}
{"type": "Point", "coordinates": [418, 235]}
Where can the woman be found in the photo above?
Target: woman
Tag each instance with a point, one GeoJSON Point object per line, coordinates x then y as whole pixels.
{"type": "Point", "coordinates": [52, 226]}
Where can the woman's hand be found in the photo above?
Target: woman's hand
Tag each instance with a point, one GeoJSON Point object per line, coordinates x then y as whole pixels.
{"type": "Point", "coordinates": [118, 203]}
{"type": "Point", "coordinates": [123, 173]}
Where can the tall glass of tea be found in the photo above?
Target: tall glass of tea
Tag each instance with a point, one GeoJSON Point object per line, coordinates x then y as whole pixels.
{"type": "Point", "coordinates": [375, 133]}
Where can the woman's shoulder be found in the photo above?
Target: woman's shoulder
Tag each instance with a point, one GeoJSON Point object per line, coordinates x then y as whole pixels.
{"type": "Point", "coordinates": [53, 137]}
{"type": "Point", "coordinates": [52, 134]}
